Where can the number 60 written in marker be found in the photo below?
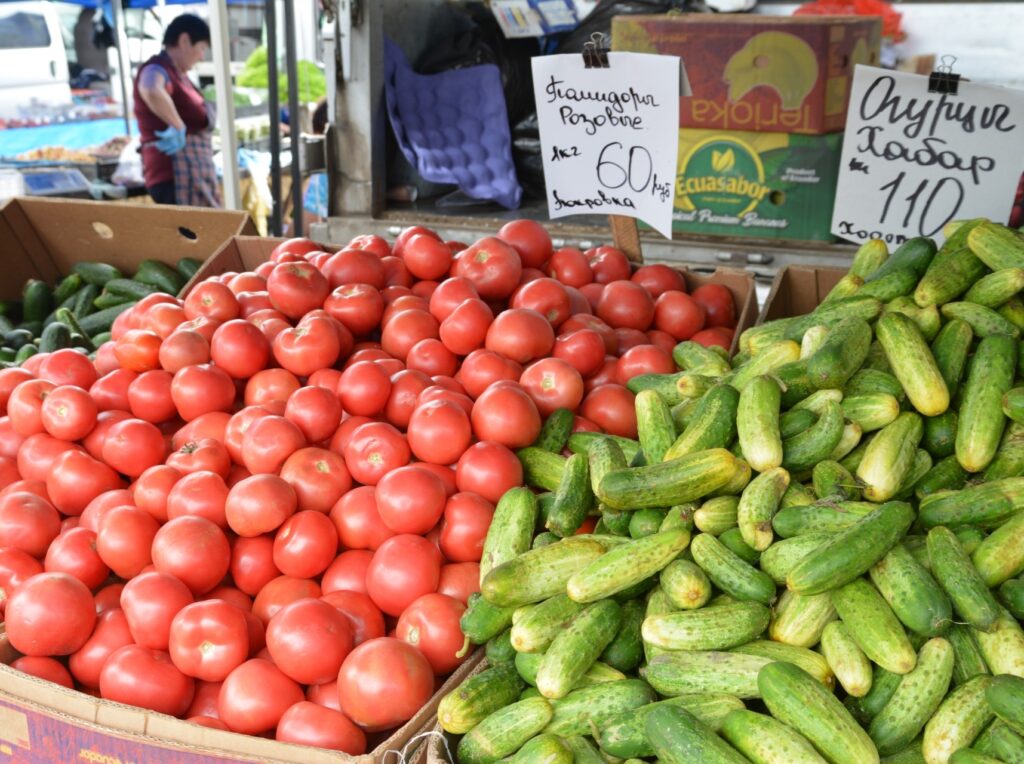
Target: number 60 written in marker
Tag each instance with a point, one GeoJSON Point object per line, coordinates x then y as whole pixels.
{"type": "Point", "coordinates": [637, 173]}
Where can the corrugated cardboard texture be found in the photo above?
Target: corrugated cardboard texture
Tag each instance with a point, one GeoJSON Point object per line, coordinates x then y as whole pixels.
{"type": "Point", "coordinates": [797, 290]}
{"type": "Point", "coordinates": [243, 253]}
{"type": "Point", "coordinates": [43, 723]}
{"type": "Point", "coordinates": [44, 238]}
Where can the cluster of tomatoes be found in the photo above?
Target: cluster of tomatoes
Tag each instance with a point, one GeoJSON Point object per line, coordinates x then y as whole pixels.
{"type": "Point", "coordinates": [262, 508]}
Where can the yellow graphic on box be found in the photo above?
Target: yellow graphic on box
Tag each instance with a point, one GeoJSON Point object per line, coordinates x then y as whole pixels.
{"type": "Point", "coordinates": [777, 60]}
{"type": "Point", "coordinates": [721, 172]}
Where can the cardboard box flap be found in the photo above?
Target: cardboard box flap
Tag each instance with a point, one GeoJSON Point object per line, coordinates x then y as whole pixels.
{"type": "Point", "coordinates": [797, 290]}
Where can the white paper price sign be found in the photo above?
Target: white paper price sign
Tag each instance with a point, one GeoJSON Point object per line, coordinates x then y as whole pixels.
{"type": "Point", "coordinates": [914, 160]}
{"type": "Point", "coordinates": [610, 136]}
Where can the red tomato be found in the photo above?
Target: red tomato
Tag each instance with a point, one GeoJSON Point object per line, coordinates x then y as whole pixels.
{"type": "Point", "coordinates": [570, 266]}
{"type": "Point", "coordinates": [506, 414]}
{"type": "Point", "coordinates": [459, 580]}
{"type": "Point", "coordinates": [259, 504]}
{"type": "Point", "coordinates": [358, 307]}
{"type": "Point", "coordinates": [44, 668]}
{"type": "Point", "coordinates": [364, 388]}
{"type": "Point", "coordinates": [109, 598]}
{"type": "Point", "coordinates": [357, 520]}
{"type": "Point", "coordinates": [383, 683]}
{"type": "Point", "coordinates": [662, 340]}
{"type": "Point", "coordinates": [15, 567]}
{"type": "Point", "coordinates": [268, 442]}
{"type": "Point", "coordinates": [366, 618]}
{"type": "Point", "coordinates": [28, 522]}
{"type": "Point", "coordinates": [138, 350]}
{"type": "Point", "coordinates": [354, 266]}
{"type": "Point", "coordinates": [371, 243]}
{"type": "Point", "coordinates": [465, 328]}
{"type": "Point", "coordinates": [124, 540]}
{"type": "Point", "coordinates": [467, 516]}
{"type": "Point", "coordinates": [10, 379]}
{"type": "Point", "coordinates": [25, 405]}
{"type": "Point", "coordinates": [426, 257]}
{"type": "Point", "coordinates": [395, 273]}
{"type": "Point", "coordinates": [431, 623]}
{"type": "Point", "coordinates": [316, 411]}
{"type": "Point", "coordinates": [197, 390]}
{"type": "Point", "coordinates": [270, 385]}
{"type": "Point", "coordinates": [94, 441]}
{"type": "Point", "coordinates": [111, 633]}
{"type": "Point", "coordinates": [625, 304]}
{"type": "Point", "coordinates": [204, 454]}
{"type": "Point", "coordinates": [10, 440]}
{"type": "Point", "coordinates": [431, 357]}
{"type": "Point", "coordinates": [612, 407]}
{"type": "Point", "coordinates": [403, 568]}
{"type": "Point", "coordinates": [142, 677]}
{"type": "Point", "coordinates": [194, 550]}
{"type": "Point", "coordinates": [74, 552]}
{"type": "Point", "coordinates": [316, 343]}
{"type": "Point", "coordinates": [255, 696]}
{"type": "Point", "coordinates": [68, 413]}
{"type": "Point", "coordinates": [239, 348]}
{"type": "Point", "coordinates": [587, 321]}
{"type": "Point", "coordinates": [608, 264]}
{"type": "Point", "coordinates": [318, 477]}
{"type": "Point", "coordinates": [488, 469]}
{"type": "Point", "coordinates": [481, 369]}
{"type": "Point", "coordinates": [309, 639]}
{"type": "Point", "coordinates": [492, 265]}
{"type": "Point", "coordinates": [297, 288]}
{"type": "Point", "coordinates": [305, 544]}
{"type": "Point", "coordinates": [106, 501]}
{"type": "Point", "coordinates": [299, 246]}
{"type": "Point", "coordinates": [449, 295]}
{"type": "Point", "coordinates": [546, 296]}
{"type": "Point", "coordinates": [209, 639]}
{"type": "Point", "coordinates": [553, 384]}
{"type": "Point", "coordinates": [111, 390]}
{"type": "Point", "coordinates": [582, 349]}
{"type": "Point", "coordinates": [151, 489]}
{"type": "Point", "coordinates": [373, 450]}
{"type": "Point", "coordinates": [247, 282]}
{"type": "Point", "coordinates": [280, 592]}
{"type": "Point", "coordinates": [719, 308]}
{"type": "Point", "coordinates": [408, 233]}
{"type": "Point", "coordinates": [439, 432]}
{"type": "Point", "coordinates": [133, 446]}
{"type": "Point", "coordinates": [150, 601]}
{"type": "Point", "coordinates": [410, 500]}
{"type": "Point", "coordinates": [643, 359]}
{"type": "Point", "coordinates": [347, 572]}
{"type": "Point", "coordinates": [149, 396]}
{"type": "Point", "coordinates": [406, 387]}
{"type": "Point", "coordinates": [659, 278]}
{"type": "Point", "coordinates": [405, 329]}
{"type": "Point", "coordinates": [183, 348]}
{"type": "Point", "coordinates": [76, 479]}
{"type": "Point", "coordinates": [344, 432]}
{"type": "Point", "coordinates": [312, 724]}
{"type": "Point", "coordinates": [66, 367]}
{"type": "Point", "coordinates": [50, 614]}
{"type": "Point", "coordinates": [521, 335]}
{"type": "Point", "coordinates": [679, 314]}
{"type": "Point", "coordinates": [198, 494]}
{"type": "Point", "coordinates": [630, 338]}
{"type": "Point", "coordinates": [607, 374]}
{"type": "Point", "coordinates": [719, 336]}
{"type": "Point", "coordinates": [252, 563]}
{"type": "Point", "coordinates": [530, 239]}
{"type": "Point", "coordinates": [592, 294]}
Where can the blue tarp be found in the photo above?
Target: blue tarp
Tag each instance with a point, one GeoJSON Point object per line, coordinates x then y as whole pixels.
{"type": "Point", "coordinates": [73, 135]}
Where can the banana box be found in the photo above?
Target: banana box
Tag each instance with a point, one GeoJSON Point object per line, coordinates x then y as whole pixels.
{"type": "Point", "coordinates": [774, 185]}
{"type": "Point", "coordinates": [783, 74]}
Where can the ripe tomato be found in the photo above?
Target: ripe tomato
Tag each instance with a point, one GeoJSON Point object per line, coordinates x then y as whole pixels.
{"type": "Point", "coordinates": [280, 592]}
{"type": "Point", "coordinates": [459, 580]}
{"type": "Point", "coordinates": [309, 723]}
{"type": "Point", "coordinates": [488, 469]}
{"type": "Point", "coordinates": [204, 454]}
{"type": "Point", "coordinates": [210, 299]}
{"type": "Point", "coordinates": [586, 321]}
{"type": "Point", "coordinates": [371, 243]}
{"type": "Point", "coordinates": [347, 572]}
{"type": "Point", "coordinates": [570, 266]}
{"type": "Point", "coordinates": [465, 327]}
{"type": "Point", "coordinates": [198, 494]}
{"type": "Point", "coordinates": [383, 683]}
{"type": "Point", "coordinates": [354, 266]}
{"type": "Point", "coordinates": [449, 295]}
{"type": "Point", "coordinates": [149, 396]}
{"type": "Point", "coordinates": [662, 340]}
{"type": "Point", "coordinates": [138, 350]}
{"type": "Point", "coordinates": [197, 390]}
{"type": "Point", "coordinates": [403, 568]}
{"type": "Point", "coordinates": [259, 504]}
{"type": "Point", "coordinates": [297, 288]}
{"type": "Point", "coordinates": [374, 449]}
{"type": "Point", "coordinates": [402, 303]}
{"type": "Point", "coordinates": [209, 639]}
{"type": "Point", "coordinates": [316, 343]}
{"type": "Point", "coordinates": [252, 563]}
{"type": "Point", "coordinates": [625, 304]}
{"type": "Point", "coordinates": [111, 390]}
{"type": "Point", "coordinates": [124, 540]}
{"type": "Point", "coordinates": [358, 307]}
{"type": "Point", "coordinates": [145, 678]}
{"type": "Point", "coordinates": [255, 696]}
{"type": "Point", "coordinates": [630, 338]}
{"type": "Point", "coordinates": [607, 374]}
{"type": "Point", "coordinates": [298, 247]}
{"type": "Point", "coordinates": [74, 552]}
{"type": "Point", "coordinates": [410, 499]}
{"type": "Point", "coordinates": [431, 356]}
{"type": "Point", "coordinates": [183, 348]}
{"type": "Point", "coordinates": [530, 239]}
{"type": "Point", "coordinates": [643, 359]}
{"type": "Point", "coordinates": [309, 639]}
{"type": "Point", "coordinates": [467, 516]}
{"type": "Point", "coordinates": [364, 388]}
{"type": "Point", "coordinates": [426, 257]}
{"type": "Point", "coordinates": [659, 278]}
{"type": "Point", "coordinates": [268, 442]}
{"type": "Point", "coordinates": [553, 384]}
{"type": "Point", "coordinates": [439, 431]}
{"type": "Point", "coordinates": [132, 446]}
{"type": "Point", "coordinates": [316, 411]}
{"type": "Point", "coordinates": [405, 329]}
{"type": "Point", "coordinates": [106, 501]}
{"type": "Point", "coordinates": [44, 668]}
{"type": "Point", "coordinates": [492, 265]}
{"type": "Point", "coordinates": [111, 632]}
{"type": "Point", "coordinates": [357, 520]}
{"type": "Point", "coordinates": [546, 296]}
{"type": "Point", "coordinates": [305, 544]}
{"type": "Point", "coordinates": [50, 614]}
{"type": "Point", "coordinates": [431, 623]}
{"type": "Point", "coordinates": [66, 367]}
{"type": "Point", "coordinates": [68, 412]}
{"type": "Point", "coordinates": [15, 567]}
{"type": "Point", "coordinates": [520, 335]}
{"type": "Point", "coordinates": [151, 489]}
{"type": "Point", "coordinates": [482, 368]}
{"type": "Point", "coordinates": [10, 441]}
{"type": "Point", "coordinates": [366, 618]}
{"type": "Point", "coordinates": [608, 264]}
{"type": "Point", "coordinates": [270, 385]}
{"type": "Point", "coordinates": [592, 293]}
{"type": "Point", "coordinates": [239, 348]}
{"type": "Point", "coordinates": [194, 550]}
{"type": "Point", "coordinates": [719, 308]}
{"type": "Point", "coordinates": [583, 349]}
{"type": "Point", "coordinates": [318, 477]}
{"type": "Point", "coordinates": [204, 701]}
{"type": "Point", "coordinates": [679, 314]}
{"type": "Point", "coordinates": [612, 407]}
{"type": "Point", "coordinates": [25, 406]}
{"type": "Point", "coordinates": [28, 522]}
{"type": "Point", "coordinates": [506, 414]}
{"type": "Point", "coordinates": [719, 336]}
{"type": "Point", "coordinates": [76, 479]}
{"type": "Point", "coordinates": [10, 379]}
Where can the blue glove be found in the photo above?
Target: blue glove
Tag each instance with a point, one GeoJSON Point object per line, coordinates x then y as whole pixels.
{"type": "Point", "coordinates": [172, 140]}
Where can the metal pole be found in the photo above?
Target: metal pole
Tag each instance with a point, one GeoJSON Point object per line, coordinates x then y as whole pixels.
{"type": "Point", "coordinates": [293, 115]}
{"type": "Point", "coordinates": [225, 102]}
{"type": "Point", "coordinates": [123, 71]}
{"type": "Point", "coordinates": [275, 118]}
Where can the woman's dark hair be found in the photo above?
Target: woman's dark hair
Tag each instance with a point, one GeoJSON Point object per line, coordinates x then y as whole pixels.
{"type": "Point", "coordinates": [196, 29]}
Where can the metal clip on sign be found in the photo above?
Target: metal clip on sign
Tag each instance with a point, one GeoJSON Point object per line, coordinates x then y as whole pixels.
{"type": "Point", "coordinates": [595, 53]}
{"type": "Point", "coordinates": [943, 80]}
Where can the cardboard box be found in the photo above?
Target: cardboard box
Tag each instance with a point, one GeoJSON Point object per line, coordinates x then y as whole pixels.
{"type": "Point", "coordinates": [44, 723]}
{"type": "Point", "coordinates": [243, 253]}
{"type": "Point", "coordinates": [797, 290]}
{"type": "Point", "coordinates": [42, 238]}
{"type": "Point", "coordinates": [769, 185]}
{"type": "Point", "coordinates": [788, 74]}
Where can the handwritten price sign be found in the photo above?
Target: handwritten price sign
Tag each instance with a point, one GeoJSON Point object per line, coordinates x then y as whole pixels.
{"type": "Point", "coordinates": [610, 137]}
{"type": "Point", "coordinates": [913, 160]}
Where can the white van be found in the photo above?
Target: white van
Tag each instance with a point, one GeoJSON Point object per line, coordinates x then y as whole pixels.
{"type": "Point", "coordinates": [33, 61]}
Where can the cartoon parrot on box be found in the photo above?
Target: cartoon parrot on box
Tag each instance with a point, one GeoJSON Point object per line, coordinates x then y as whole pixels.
{"type": "Point", "coordinates": [777, 60]}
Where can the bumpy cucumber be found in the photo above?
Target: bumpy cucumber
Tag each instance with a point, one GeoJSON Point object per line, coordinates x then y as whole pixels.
{"type": "Point", "coordinates": [946, 474]}
{"type": "Point", "coordinates": [545, 747]}
{"type": "Point", "coordinates": [1000, 741]}
{"type": "Point", "coordinates": [951, 273]}
{"type": "Point", "coordinates": [555, 432]}
{"type": "Point", "coordinates": [714, 628]}
{"type": "Point", "coordinates": [626, 651]}
{"type": "Point", "coordinates": [757, 423]}
{"type": "Point", "coordinates": [540, 624]}
{"type": "Point", "coordinates": [540, 573]}
{"type": "Point", "coordinates": [1000, 556]}
{"type": "Point", "coordinates": [686, 672]}
{"type": "Point", "coordinates": [914, 596]}
{"type": "Point", "coordinates": [987, 505]}
{"type": "Point", "coordinates": [655, 428]}
{"type": "Point", "coordinates": [981, 421]}
{"type": "Point", "coordinates": [869, 381]}
{"type": "Point", "coordinates": [758, 505]}
{"type": "Point", "coordinates": [890, 456]}
{"type": "Point", "coordinates": [678, 737]}
{"type": "Point", "coordinates": [958, 577]}
{"type": "Point", "coordinates": [581, 443]}
{"type": "Point", "coordinates": [482, 621]}
{"type": "Point", "coordinates": [822, 516]}
{"type": "Point", "coordinates": [782, 556]}
{"type": "Point", "coordinates": [883, 685]}
{"type": "Point", "coordinates": [807, 660]}
{"type": "Point", "coordinates": [1006, 696]}
{"type": "Point", "coordinates": [713, 424]}
{"type": "Point", "coordinates": [841, 354]}
{"type": "Point", "coordinates": [871, 411]}
{"type": "Point", "coordinates": [874, 627]}
{"type": "Point", "coordinates": [765, 740]}
{"type": "Point", "coordinates": [848, 662]}
{"type": "Point", "coordinates": [587, 708]}
{"type": "Point", "coordinates": [984, 321]}
{"type": "Point", "coordinates": [996, 288]}
{"type": "Point", "coordinates": [505, 731]}
{"type": "Point", "coordinates": [816, 443]}
{"type": "Point", "coordinates": [685, 584]}
{"type": "Point", "coordinates": [717, 515]}
{"type": "Point", "coordinates": [541, 468]}
{"type": "Point", "coordinates": [1002, 645]}
{"type": "Point", "coordinates": [477, 698]}
{"type": "Point", "coordinates": [730, 573]}
{"type": "Point", "coordinates": [511, 529]}
{"type": "Point", "coordinates": [573, 498]}
{"type": "Point", "coordinates": [624, 735]}
{"type": "Point", "coordinates": [574, 650]}
{"type": "Point", "coordinates": [869, 257]}
{"type": "Point", "coordinates": [669, 483]}
{"type": "Point", "coordinates": [968, 661]}
{"type": "Point", "coordinates": [799, 619]}
{"type": "Point", "coordinates": [939, 438]}
{"type": "Point", "coordinates": [913, 363]}
{"type": "Point", "coordinates": [626, 565]}
{"type": "Point", "coordinates": [958, 721]}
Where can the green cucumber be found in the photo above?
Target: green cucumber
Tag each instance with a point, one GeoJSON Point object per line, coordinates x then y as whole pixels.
{"type": "Point", "coordinates": [831, 479]}
{"type": "Point", "coordinates": [188, 267]}
{"type": "Point", "coordinates": [848, 442]}
{"type": "Point", "coordinates": [793, 422]}
{"type": "Point", "coordinates": [890, 456]}
{"type": "Point", "coordinates": [871, 411]}
{"type": "Point", "coordinates": [686, 672]}
{"type": "Point", "coordinates": [883, 686]}
{"type": "Point", "coordinates": [540, 573]}
{"type": "Point", "coordinates": [36, 300]}
{"type": "Point", "coordinates": [916, 253]}
{"type": "Point", "coordinates": [950, 274]}
{"type": "Point", "coordinates": [646, 522]}
{"type": "Point", "coordinates": [958, 721]}
{"type": "Point", "coordinates": [1005, 694]}
{"type": "Point", "coordinates": [541, 623]}
{"type": "Point", "coordinates": [795, 381]}
{"type": "Point", "coordinates": [765, 740]}
{"type": "Point", "coordinates": [96, 273]}
{"type": "Point", "coordinates": [987, 505]}
{"type": "Point", "coordinates": [548, 748]}
{"type": "Point", "coordinates": [797, 495]}
{"type": "Point", "coordinates": [694, 357]}
{"type": "Point", "coordinates": [782, 556]}
{"type": "Point", "coordinates": [528, 664]}
{"type": "Point", "coordinates": [554, 434]}
{"type": "Point", "coordinates": [1002, 645]}
{"type": "Point", "coordinates": [958, 577]}
{"type": "Point", "coordinates": [980, 424]}
{"type": "Point", "coordinates": [733, 540]}
{"type": "Point", "coordinates": [678, 737]}
{"type": "Point", "coordinates": [1000, 741]}
{"type": "Point", "coordinates": [1013, 404]}
{"type": "Point", "coordinates": [588, 708]}
{"type": "Point", "coordinates": [581, 442]}
{"type": "Point", "coordinates": [624, 736]}
{"type": "Point", "coordinates": [625, 652]}
{"type": "Point", "coordinates": [985, 322]}
{"type": "Point", "coordinates": [996, 288]}
{"type": "Point", "coordinates": [816, 443]}
{"type": "Point", "coordinates": [813, 339]}
{"type": "Point", "coordinates": [806, 660]}
{"type": "Point", "coordinates": [575, 649]}
{"type": "Point", "coordinates": [757, 423]}
{"type": "Point", "coordinates": [478, 697]}
{"type": "Point", "coordinates": [511, 529]}
{"type": "Point", "coordinates": [499, 650]}
{"type": "Point", "coordinates": [765, 361]}
{"type": "Point", "coordinates": [871, 381]}
{"type": "Point", "coordinates": [843, 352]}
{"type": "Point", "coordinates": [67, 288]}
{"type": "Point", "coordinates": [867, 308]}
{"type": "Point", "coordinates": [504, 731]}
{"type": "Point", "coordinates": [669, 483]}
{"type": "Point", "coordinates": [133, 290]}
{"type": "Point", "coordinates": [541, 468]}
{"type": "Point", "coordinates": [573, 498]}
{"type": "Point", "coordinates": [828, 516]}
{"type": "Point", "coordinates": [82, 303]}
{"type": "Point", "coordinates": [713, 424]}
{"type": "Point", "coordinates": [655, 428]}
{"type": "Point", "coordinates": [869, 257]}
{"type": "Point", "coordinates": [950, 349]}
{"type": "Point", "coordinates": [717, 515]}
{"type": "Point", "coordinates": [102, 320]}
{"type": "Point", "coordinates": [626, 565]}
{"type": "Point", "coordinates": [1000, 556]}
{"type": "Point", "coordinates": [968, 661]}
{"type": "Point", "coordinates": [758, 504]}
{"type": "Point", "coordinates": [914, 596]}
{"type": "Point", "coordinates": [730, 573]}
{"type": "Point", "coordinates": [1011, 594]}
{"type": "Point", "coordinates": [685, 584]}
{"type": "Point", "coordinates": [939, 437]}
{"type": "Point", "coordinates": [799, 619]}
{"type": "Point", "coordinates": [946, 474]}
{"type": "Point", "coordinates": [920, 467]}
{"type": "Point", "coordinates": [928, 320]}
{"type": "Point", "coordinates": [847, 661]}
{"type": "Point", "coordinates": [897, 283]}
{"type": "Point", "coordinates": [873, 626]}
{"type": "Point", "coordinates": [913, 363]}
{"type": "Point", "coordinates": [714, 628]}
{"type": "Point", "coordinates": [160, 275]}
{"type": "Point", "coordinates": [56, 336]}
{"type": "Point", "coordinates": [483, 621]}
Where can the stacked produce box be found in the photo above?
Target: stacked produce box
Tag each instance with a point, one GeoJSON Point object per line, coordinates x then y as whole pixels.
{"type": "Point", "coordinates": [760, 137]}
{"type": "Point", "coordinates": [809, 553]}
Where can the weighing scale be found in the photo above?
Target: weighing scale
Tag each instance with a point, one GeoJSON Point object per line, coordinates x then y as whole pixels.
{"type": "Point", "coordinates": [66, 182]}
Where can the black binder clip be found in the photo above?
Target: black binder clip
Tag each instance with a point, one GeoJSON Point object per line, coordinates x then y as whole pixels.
{"type": "Point", "coordinates": [595, 54]}
{"type": "Point", "coordinates": [943, 80]}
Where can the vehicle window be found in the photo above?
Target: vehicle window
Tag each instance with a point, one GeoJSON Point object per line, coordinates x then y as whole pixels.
{"type": "Point", "coordinates": [23, 30]}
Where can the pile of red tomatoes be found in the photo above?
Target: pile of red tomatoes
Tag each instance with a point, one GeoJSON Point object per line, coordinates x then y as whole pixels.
{"type": "Point", "coordinates": [262, 508]}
